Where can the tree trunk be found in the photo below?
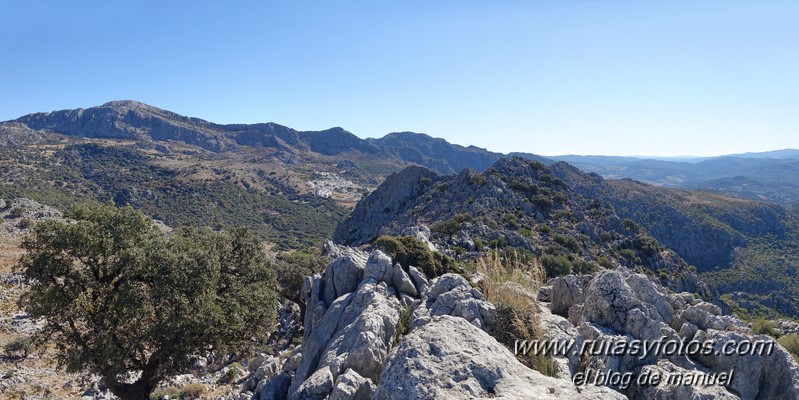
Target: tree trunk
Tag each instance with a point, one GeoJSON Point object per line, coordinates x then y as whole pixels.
{"type": "Point", "coordinates": [139, 390]}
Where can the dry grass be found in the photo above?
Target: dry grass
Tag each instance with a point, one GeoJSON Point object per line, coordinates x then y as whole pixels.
{"type": "Point", "coordinates": [512, 286]}
{"type": "Point", "coordinates": [10, 252]}
{"type": "Point", "coordinates": [509, 282]}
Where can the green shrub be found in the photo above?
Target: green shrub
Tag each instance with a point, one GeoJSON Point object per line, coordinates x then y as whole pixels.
{"type": "Point", "coordinates": [646, 244]}
{"type": "Point", "coordinates": [542, 202]}
{"type": "Point", "coordinates": [556, 265]}
{"type": "Point", "coordinates": [560, 198]}
{"type": "Point", "coordinates": [446, 229]}
{"type": "Point", "coordinates": [478, 180]}
{"type": "Point", "coordinates": [404, 325]}
{"type": "Point", "coordinates": [568, 242]}
{"type": "Point", "coordinates": [766, 327]}
{"type": "Point", "coordinates": [630, 256]}
{"type": "Point", "coordinates": [410, 251]}
{"type": "Point", "coordinates": [292, 268]}
{"type": "Point", "coordinates": [630, 225]}
{"type": "Point", "coordinates": [791, 343]}
{"type": "Point", "coordinates": [497, 243]}
{"type": "Point", "coordinates": [584, 267]}
{"type": "Point", "coordinates": [121, 297]}
{"type": "Point", "coordinates": [193, 391]}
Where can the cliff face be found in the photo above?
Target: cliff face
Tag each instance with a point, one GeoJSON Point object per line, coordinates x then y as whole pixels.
{"type": "Point", "coordinates": [130, 120]}
{"type": "Point", "coordinates": [703, 228]}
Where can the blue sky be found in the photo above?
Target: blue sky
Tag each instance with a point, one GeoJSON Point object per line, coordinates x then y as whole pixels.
{"type": "Point", "coordinates": [614, 77]}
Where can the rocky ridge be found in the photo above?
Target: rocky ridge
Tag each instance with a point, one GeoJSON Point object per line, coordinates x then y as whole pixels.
{"type": "Point", "coordinates": [377, 330]}
{"type": "Point", "coordinates": [516, 204]}
{"type": "Point", "coordinates": [153, 127]}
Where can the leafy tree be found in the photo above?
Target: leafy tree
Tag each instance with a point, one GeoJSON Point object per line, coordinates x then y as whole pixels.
{"type": "Point", "coordinates": [292, 268]}
{"type": "Point", "coordinates": [446, 228]}
{"type": "Point", "coordinates": [130, 303]}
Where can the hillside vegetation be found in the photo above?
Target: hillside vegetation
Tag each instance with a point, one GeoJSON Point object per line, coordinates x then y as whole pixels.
{"type": "Point", "coordinates": [577, 222]}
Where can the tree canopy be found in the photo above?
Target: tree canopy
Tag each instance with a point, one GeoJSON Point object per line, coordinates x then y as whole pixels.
{"type": "Point", "coordinates": [131, 303]}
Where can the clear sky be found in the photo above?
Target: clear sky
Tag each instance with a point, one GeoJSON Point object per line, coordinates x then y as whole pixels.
{"type": "Point", "coordinates": [614, 77]}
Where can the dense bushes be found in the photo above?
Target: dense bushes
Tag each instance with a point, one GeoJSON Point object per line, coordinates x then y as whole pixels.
{"type": "Point", "coordinates": [130, 177]}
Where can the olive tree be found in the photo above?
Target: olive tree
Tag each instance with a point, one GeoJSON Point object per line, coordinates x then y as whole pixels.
{"type": "Point", "coordinates": [126, 301]}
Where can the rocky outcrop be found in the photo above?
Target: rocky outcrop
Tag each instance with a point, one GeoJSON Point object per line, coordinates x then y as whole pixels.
{"type": "Point", "coordinates": [620, 308]}
{"type": "Point", "coordinates": [21, 214]}
{"type": "Point", "coordinates": [352, 316]}
{"type": "Point", "coordinates": [382, 206]}
{"type": "Point", "coordinates": [375, 329]}
{"type": "Point", "coordinates": [452, 295]}
{"type": "Point", "coordinates": [515, 203]}
{"type": "Point", "coordinates": [450, 358]}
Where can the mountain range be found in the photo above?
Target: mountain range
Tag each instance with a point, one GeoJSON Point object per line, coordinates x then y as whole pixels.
{"type": "Point", "coordinates": [767, 176]}
{"type": "Point", "coordinates": [296, 188]}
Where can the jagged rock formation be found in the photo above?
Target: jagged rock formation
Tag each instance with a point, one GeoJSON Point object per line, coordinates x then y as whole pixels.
{"type": "Point", "coordinates": [382, 206]}
{"type": "Point", "coordinates": [355, 344]}
{"type": "Point", "coordinates": [623, 307]}
{"type": "Point", "coordinates": [377, 330]}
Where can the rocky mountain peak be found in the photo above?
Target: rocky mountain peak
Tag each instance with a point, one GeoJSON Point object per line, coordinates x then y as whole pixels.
{"type": "Point", "coordinates": [129, 104]}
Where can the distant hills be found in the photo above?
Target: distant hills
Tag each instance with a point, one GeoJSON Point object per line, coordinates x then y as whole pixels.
{"type": "Point", "coordinates": [133, 120]}
{"type": "Point", "coordinates": [296, 188]}
{"type": "Point", "coordinates": [769, 176]}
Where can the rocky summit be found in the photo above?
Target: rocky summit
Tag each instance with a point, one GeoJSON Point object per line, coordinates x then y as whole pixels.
{"type": "Point", "coordinates": [375, 329]}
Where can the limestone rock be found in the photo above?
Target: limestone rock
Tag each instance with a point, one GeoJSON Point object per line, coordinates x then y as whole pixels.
{"type": "Point", "coordinates": [351, 386]}
{"type": "Point", "coordinates": [402, 282]}
{"type": "Point", "coordinates": [452, 295]}
{"type": "Point", "coordinates": [621, 307]}
{"type": "Point", "coordinates": [379, 267]}
{"type": "Point", "coordinates": [421, 232]}
{"type": "Point", "coordinates": [342, 276]}
{"type": "Point", "coordinates": [565, 291]}
{"type": "Point", "coordinates": [450, 358]}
